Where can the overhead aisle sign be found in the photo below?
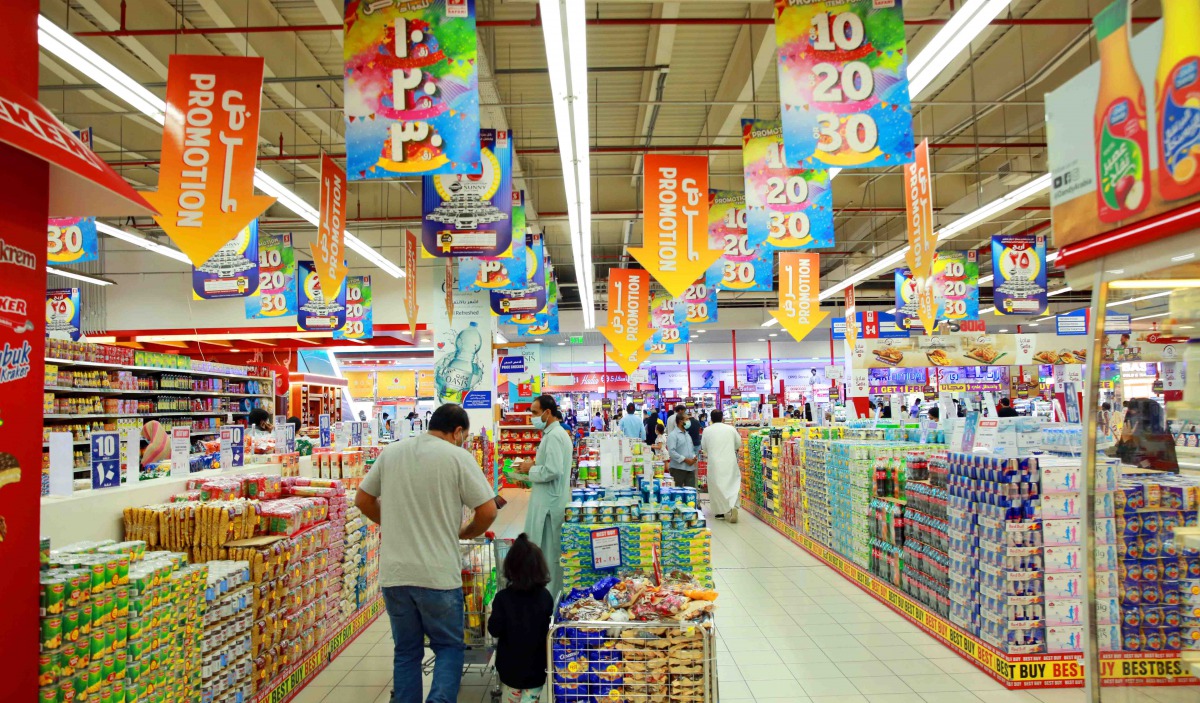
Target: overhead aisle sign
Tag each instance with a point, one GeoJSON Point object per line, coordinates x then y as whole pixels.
{"type": "Point", "coordinates": [675, 247]}
{"type": "Point", "coordinates": [471, 215]}
{"type": "Point", "coordinates": [360, 313]}
{"type": "Point", "coordinates": [628, 328]}
{"type": "Point", "coordinates": [329, 251]}
{"type": "Point", "coordinates": [843, 83]}
{"type": "Point", "coordinates": [1019, 274]}
{"type": "Point", "coordinates": [741, 266]}
{"type": "Point", "coordinates": [233, 272]}
{"type": "Point", "coordinates": [799, 309]}
{"type": "Point", "coordinates": [787, 208]}
{"type": "Point", "coordinates": [922, 240]}
{"type": "Point", "coordinates": [276, 278]}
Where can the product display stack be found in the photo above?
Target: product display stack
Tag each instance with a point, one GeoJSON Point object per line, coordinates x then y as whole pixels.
{"type": "Point", "coordinates": [226, 642]}
{"type": "Point", "coordinates": [927, 531]}
{"type": "Point", "coordinates": [818, 517]}
{"type": "Point", "coordinates": [1062, 541]}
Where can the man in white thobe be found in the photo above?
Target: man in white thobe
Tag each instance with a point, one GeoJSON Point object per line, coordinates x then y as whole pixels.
{"type": "Point", "coordinates": [721, 444]}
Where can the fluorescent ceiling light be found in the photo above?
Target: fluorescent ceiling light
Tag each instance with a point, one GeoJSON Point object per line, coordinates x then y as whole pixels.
{"type": "Point", "coordinates": [1134, 283]}
{"type": "Point", "coordinates": [987, 310]}
{"type": "Point", "coordinates": [567, 65]}
{"type": "Point", "coordinates": [1138, 299]}
{"type": "Point", "coordinates": [1148, 317]}
{"type": "Point", "coordinates": [957, 34]}
{"type": "Point", "coordinates": [770, 322]}
{"type": "Point", "coordinates": [1004, 330]}
{"type": "Point", "coordinates": [78, 276]}
{"type": "Point", "coordinates": [66, 47]}
{"type": "Point", "coordinates": [1060, 291]}
{"type": "Point", "coordinates": [138, 240]}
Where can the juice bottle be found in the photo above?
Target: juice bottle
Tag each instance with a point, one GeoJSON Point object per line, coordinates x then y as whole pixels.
{"type": "Point", "coordinates": [1122, 146]}
{"type": "Point", "coordinates": [1178, 84]}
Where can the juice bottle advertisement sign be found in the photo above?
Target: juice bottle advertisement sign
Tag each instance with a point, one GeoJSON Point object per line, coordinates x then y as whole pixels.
{"type": "Point", "coordinates": [1141, 156]}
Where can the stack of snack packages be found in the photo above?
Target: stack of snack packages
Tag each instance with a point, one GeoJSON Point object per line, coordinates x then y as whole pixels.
{"type": "Point", "coordinates": [791, 465]}
{"type": "Point", "coordinates": [1062, 539]}
{"type": "Point", "coordinates": [996, 554]}
{"type": "Point", "coordinates": [1155, 588]}
{"type": "Point", "coordinates": [638, 542]}
{"type": "Point", "coordinates": [351, 567]}
{"type": "Point", "coordinates": [688, 551]}
{"type": "Point", "coordinates": [335, 494]}
{"type": "Point", "coordinates": [818, 518]}
{"type": "Point", "coordinates": [348, 466]}
{"type": "Point", "coordinates": [368, 574]}
{"type": "Point", "coordinates": [225, 646]}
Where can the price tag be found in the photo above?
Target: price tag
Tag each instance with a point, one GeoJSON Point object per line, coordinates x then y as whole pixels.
{"type": "Point", "coordinates": [356, 433]}
{"type": "Point", "coordinates": [340, 432]}
{"type": "Point", "coordinates": [281, 425]}
{"type": "Point", "coordinates": [226, 448]}
{"type": "Point", "coordinates": [326, 430]}
{"type": "Point", "coordinates": [986, 435]}
{"type": "Point", "coordinates": [238, 445]}
{"type": "Point", "coordinates": [606, 548]}
{"type": "Point", "coordinates": [290, 438]}
{"type": "Point", "coordinates": [106, 459]}
{"type": "Point", "coordinates": [181, 450]}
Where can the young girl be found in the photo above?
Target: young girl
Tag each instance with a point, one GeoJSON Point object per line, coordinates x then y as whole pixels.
{"type": "Point", "coordinates": [520, 622]}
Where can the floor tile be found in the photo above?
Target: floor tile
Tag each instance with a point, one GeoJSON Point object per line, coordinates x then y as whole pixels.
{"type": "Point", "coordinates": [354, 694]}
{"type": "Point", "coordinates": [950, 697]}
{"type": "Point", "coordinates": [804, 656]}
{"type": "Point", "coordinates": [777, 688]}
{"type": "Point", "coordinates": [1005, 696]}
{"type": "Point", "coordinates": [735, 690]}
{"type": "Point", "coordinates": [815, 670]}
{"type": "Point", "coordinates": [765, 672]}
{"type": "Point", "coordinates": [374, 664]}
{"type": "Point", "coordinates": [312, 694]}
{"type": "Point", "coordinates": [868, 685]}
{"type": "Point", "coordinates": [753, 658]}
{"type": "Point", "coordinates": [932, 683]}
{"type": "Point", "coordinates": [849, 654]}
{"type": "Point", "coordinates": [828, 687]}
{"type": "Point", "coordinates": [896, 698]}
{"type": "Point", "coordinates": [839, 699]}
{"type": "Point", "coordinates": [912, 667]}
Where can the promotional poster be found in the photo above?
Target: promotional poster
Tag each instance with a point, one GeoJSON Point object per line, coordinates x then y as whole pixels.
{"type": "Point", "coordinates": [359, 310]}
{"type": "Point", "coordinates": [71, 240]}
{"type": "Point", "coordinates": [462, 353]}
{"type": "Point", "coordinates": [471, 215]}
{"type": "Point", "coordinates": [698, 304]}
{"type": "Point", "coordinates": [1019, 274]}
{"type": "Point", "coordinates": [741, 266]}
{"type": "Point", "coordinates": [276, 278]}
{"type": "Point", "coordinates": [518, 306]}
{"type": "Point", "coordinates": [504, 271]}
{"type": "Point", "coordinates": [233, 271]}
{"type": "Point", "coordinates": [62, 315]}
{"type": "Point", "coordinates": [412, 107]}
{"type": "Point", "coordinates": [786, 208]}
{"type": "Point", "coordinates": [315, 311]}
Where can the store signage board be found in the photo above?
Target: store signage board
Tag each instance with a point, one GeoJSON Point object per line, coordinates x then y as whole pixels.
{"type": "Point", "coordinates": [1072, 324]}
{"type": "Point", "coordinates": [918, 206]}
{"type": "Point", "coordinates": [329, 249]}
{"type": "Point", "coordinates": [786, 208]}
{"type": "Point", "coordinates": [986, 434]}
{"type": "Point", "coordinates": [71, 240]}
{"type": "Point", "coordinates": [886, 327]}
{"type": "Point", "coordinates": [356, 434]}
{"type": "Point", "coordinates": [106, 459]}
{"type": "Point", "coordinates": [239, 445]}
{"type": "Point", "coordinates": [743, 265]}
{"type": "Point", "coordinates": [799, 310]}
{"type": "Point", "coordinates": [411, 245]}
{"type": "Point", "coordinates": [360, 309]}
{"type": "Point", "coordinates": [63, 314]}
{"type": "Point", "coordinates": [576, 339]}
{"type": "Point", "coordinates": [201, 213]}
{"type": "Point", "coordinates": [325, 429]}
{"type": "Point", "coordinates": [226, 435]}
{"type": "Point", "coordinates": [62, 463]}
{"type": "Point", "coordinates": [606, 548]}
{"type": "Point", "coordinates": [674, 249]}
{"type": "Point", "coordinates": [843, 83]}
{"type": "Point", "coordinates": [181, 448]}
{"type": "Point", "coordinates": [835, 373]}
{"type": "Point", "coordinates": [1019, 274]}
{"type": "Point", "coordinates": [512, 364]}
{"type": "Point", "coordinates": [628, 328]}
{"type": "Point", "coordinates": [421, 116]}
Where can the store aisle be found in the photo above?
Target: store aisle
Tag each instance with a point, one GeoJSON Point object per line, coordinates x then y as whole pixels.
{"type": "Point", "coordinates": [790, 629]}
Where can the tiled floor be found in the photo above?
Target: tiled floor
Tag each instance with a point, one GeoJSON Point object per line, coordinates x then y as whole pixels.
{"type": "Point", "coordinates": [789, 629]}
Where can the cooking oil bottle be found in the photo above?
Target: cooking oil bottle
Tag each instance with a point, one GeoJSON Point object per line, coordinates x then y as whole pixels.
{"type": "Point", "coordinates": [1122, 140]}
{"type": "Point", "coordinates": [1178, 91]}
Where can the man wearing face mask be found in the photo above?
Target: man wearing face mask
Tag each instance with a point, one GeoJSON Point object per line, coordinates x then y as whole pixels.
{"type": "Point", "coordinates": [550, 477]}
{"type": "Point", "coordinates": [416, 492]}
{"type": "Point", "coordinates": [682, 453]}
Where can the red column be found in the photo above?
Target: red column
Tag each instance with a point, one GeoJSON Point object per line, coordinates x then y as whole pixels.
{"type": "Point", "coordinates": [688, 349]}
{"type": "Point", "coordinates": [24, 200]}
{"type": "Point", "coordinates": [734, 343]}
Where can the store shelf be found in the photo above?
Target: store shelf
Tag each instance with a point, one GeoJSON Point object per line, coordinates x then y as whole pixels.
{"type": "Point", "coordinates": [153, 369]}
{"type": "Point", "coordinates": [96, 416]}
{"type": "Point", "coordinates": [165, 391]}
{"type": "Point", "coordinates": [533, 453]}
{"type": "Point", "coordinates": [890, 499]}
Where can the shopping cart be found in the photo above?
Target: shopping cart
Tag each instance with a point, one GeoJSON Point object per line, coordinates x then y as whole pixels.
{"type": "Point", "coordinates": [632, 662]}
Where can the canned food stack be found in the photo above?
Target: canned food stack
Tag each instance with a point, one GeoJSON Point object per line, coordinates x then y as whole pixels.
{"type": "Point", "coordinates": [816, 490]}
{"type": "Point", "coordinates": [225, 646]}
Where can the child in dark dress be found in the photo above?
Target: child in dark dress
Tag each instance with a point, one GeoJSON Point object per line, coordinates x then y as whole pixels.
{"type": "Point", "coordinates": [520, 621]}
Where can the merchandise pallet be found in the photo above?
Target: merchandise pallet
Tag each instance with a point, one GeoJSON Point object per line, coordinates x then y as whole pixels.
{"type": "Point", "coordinates": [1014, 671]}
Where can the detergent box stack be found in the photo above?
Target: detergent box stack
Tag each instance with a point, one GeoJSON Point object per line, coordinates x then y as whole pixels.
{"type": "Point", "coordinates": [1062, 536]}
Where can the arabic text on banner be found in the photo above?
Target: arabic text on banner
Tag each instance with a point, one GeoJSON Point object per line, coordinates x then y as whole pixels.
{"type": "Point", "coordinates": [315, 312]}
{"type": "Point", "coordinates": [1019, 274]}
{"type": "Point", "coordinates": [62, 314]}
{"type": "Point", "coordinates": [741, 267]}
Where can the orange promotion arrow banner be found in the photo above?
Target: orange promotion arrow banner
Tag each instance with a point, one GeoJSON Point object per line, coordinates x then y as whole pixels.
{"type": "Point", "coordinates": [675, 230]}
{"type": "Point", "coordinates": [851, 318]}
{"type": "Point", "coordinates": [628, 327]}
{"type": "Point", "coordinates": [926, 304]}
{"type": "Point", "coordinates": [631, 361]}
{"type": "Point", "coordinates": [918, 203]}
{"type": "Point", "coordinates": [411, 249]}
{"type": "Point", "coordinates": [799, 285]}
{"type": "Point", "coordinates": [329, 251]}
{"type": "Point", "coordinates": [210, 147]}
{"type": "Point", "coordinates": [449, 286]}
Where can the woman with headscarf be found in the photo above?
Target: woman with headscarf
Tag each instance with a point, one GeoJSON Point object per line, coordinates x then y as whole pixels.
{"type": "Point", "coordinates": [550, 478]}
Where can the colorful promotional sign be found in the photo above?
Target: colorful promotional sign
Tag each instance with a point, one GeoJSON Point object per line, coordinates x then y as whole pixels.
{"type": "Point", "coordinates": [276, 278]}
{"type": "Point", "coordinates": [315, 312]}
{"type": "Point", "coordinates": [852, 319]}
{"type": "Point", "coordinates": [462, 353]}
{"type": "Point", "coordinates": [884, 326]}
{"type": "Point", "coordinates": [668, 321]}
{"type": "Point", "coordinates": [799, 309]}
{"type": "Point", "coordinates": [471, 215]}
{"type": "Point", "coordinates": [967, 379]}
{"type": "Point", "coordinates": [396, 384]}
{"type": "Point", "coordinates": [233, 271]}
{"type": "Point", "coordinates": [361, 384]}
{"type": "Point", "coordinates": [525, 382]}
{"type": "Point", "coordinates": [71, 240]}
{"type": "Point", "coordinates": [787, 208]}
{"type": "Point", "coordinates": [326, 430]}
{"type": "Point", "coordinates": [843, 83]}
{"type": "Point", "coordinates": [1125, 139]}
{"type": "Point", "coordinates": [410, 280]}
{"type": "Point", "coordinates": [628, 329]}
{"type": "Point", "coordinates": [988, 350]}
{"type": "Point", "coordinates": [329, 250]}
{"type": "Point", "coordinates": [546, 321]}
{"type": "Point", "coordinates": [520, 306]}
{"type": "Point", "coordinates": [210, 147]}
{"type": "Point", "coordinates": [412, 106]}
{"type": "Point", "coordinates": [505, 271]}
{"type": "Point", "coordinates": [741, 266]}
{"type": "Point", "coordinates": [360, 312]}
{"type": "Point", "coordinates": [698, 304]}
{"type": "Point", "coordinates": [674, 247]}
{"type": "Point", "coordinates": [106, 459]}
{"type": "Point", "coordinates": [956, 277]}
{"type": "Point", "coordinates": [62, 314]}
{"type": "Point", "coordinates": [1019, 274]}
{"type": "Point", "coordinates": [918, 205]}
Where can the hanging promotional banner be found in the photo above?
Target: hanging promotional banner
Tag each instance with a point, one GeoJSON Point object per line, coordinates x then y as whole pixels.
{"type": "Point", "coordinates": [927, 306]}
{"type": "Point", "coordinates": [786, 208]}
{"type": "Point", "coordinates": [329, 250]}
{"type": "Point", "coordinates": [799, 309]}
{"type": "Point", "coordinates": [918, 205]}
{"type": "Point", "coordinates": [628, 328]}
{"type": "Point", "coordinates": [1019, 274]}
{"type": "Point", "coordinates": [395, 384]}
{"type": "Point", "coordinates": [698, 304]}
{"type": "Point", "coordinates": [471, 215]}
{"type": "Point", "coordinates": [545, 322]}
{"type": "Point", "coordinates": [410, 280]}
{"type": "Point", "coordinates": [412, 106]}
{"type": "Point", "coordinates": [525, 382]}
{"type": "Point", "coordinates": [315, 312]}
{"type": "Point", "coordinates": [883, 324]}
{"type": "Point", "coordinates": [843, 83]}
{"type": "Point", "coordinates": [361, 384]}
{"type": "Point", "coordinates": [954, 287]}
{"type": "Point", "coordinates": [740, 266]}
{"type": "Point", "coordinates": [518, 306]}
{"type": "Point", "coordinates": [359, 310]}
{"type": "Point", "coordinates": [668, 320]}
{"type": "Point", "coordinates": [233, 271]}
{"type": "Point", "coordinates": [462, 353]}
{"type": "Point", "coordinates": [852, 316]}
{"type": "Point", "coordinates": [62, 314]}
{"type": "Point", "coordinates": [505, 271]}
{"type": "Point", "coordinates": [71, 240]}
{"type": "Point", "coordinates": [674, 247]}
{"type": "Point", "coordinates": [276, 278]}
{"type": "Point", "coordinates": [210, 148]}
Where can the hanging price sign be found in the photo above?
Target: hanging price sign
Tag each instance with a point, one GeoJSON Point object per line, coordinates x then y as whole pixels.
{"type": "Point", "coordinates": [106, 459]}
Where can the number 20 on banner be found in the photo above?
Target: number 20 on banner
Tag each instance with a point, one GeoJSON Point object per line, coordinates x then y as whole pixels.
{"type": "Point", "coordinates": [844, 83]}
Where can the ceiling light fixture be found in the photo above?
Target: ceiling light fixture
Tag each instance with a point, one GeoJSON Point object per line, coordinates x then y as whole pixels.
{"type": "Point", "coordinates": [78, 276]}
{"type": "Point", "coordinates": [957, 34]}
{"type": "Point", "coordinates": [1138, 299]}
{"type": "Point", "coordinates": [1135, 283]}
{"type": "Point", "coordinates": [567, 65]}
{"type": "Point", "coordinates": [1148, 317]}
{"type": "Point", "coordinates": [138, 240]}
{"type": "Point", "coordinates": [58, 42]}
{"type": "Point", "coordinates": [985, 311]}
{"type": "Point", "coordinates": [771, 322]}
{"type": "Point", "coordinates": [1060, 291]}
{"type": "Point", "coordinates": [1003, 330]}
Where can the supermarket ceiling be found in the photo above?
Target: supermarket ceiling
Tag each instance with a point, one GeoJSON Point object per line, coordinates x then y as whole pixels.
{"type": "Point", "coordinates": [665, 76]}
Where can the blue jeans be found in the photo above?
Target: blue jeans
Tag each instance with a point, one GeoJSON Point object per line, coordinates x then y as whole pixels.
{"type": "Point", "coordinates": [417, 613]}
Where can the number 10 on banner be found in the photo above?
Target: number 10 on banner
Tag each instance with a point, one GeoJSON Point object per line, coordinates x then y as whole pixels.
{"type": "Point", "coordinates": [106, 459]}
